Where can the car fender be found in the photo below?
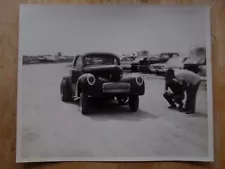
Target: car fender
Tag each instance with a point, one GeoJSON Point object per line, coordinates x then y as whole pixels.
{"type": "Point", "coordinates": [131, 78]}
{"type": "Point", "coordinates": [81, 83]}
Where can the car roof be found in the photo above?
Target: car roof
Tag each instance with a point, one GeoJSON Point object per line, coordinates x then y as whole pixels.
{"type": "Point", "coordinates": [169, 53]}
{"type": "Point", "coordinates": [100, 53]}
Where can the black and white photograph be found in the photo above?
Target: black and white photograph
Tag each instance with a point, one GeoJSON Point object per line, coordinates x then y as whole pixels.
{"type": "Point", "coordinates": [114, 83]}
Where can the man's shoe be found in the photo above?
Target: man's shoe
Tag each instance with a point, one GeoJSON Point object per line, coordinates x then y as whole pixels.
{"type": "Point", "coordinates": [190, 112]}
{"type": "Point", "coordinates": [172, 107]}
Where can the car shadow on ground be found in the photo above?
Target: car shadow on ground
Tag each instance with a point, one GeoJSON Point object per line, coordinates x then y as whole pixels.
{"type": "Point", "coordinates": [110, 110]}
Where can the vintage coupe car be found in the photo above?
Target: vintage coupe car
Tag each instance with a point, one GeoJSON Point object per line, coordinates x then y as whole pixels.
{"type": "Point", "coordinates": [99, 75]}
{"type": "Point", "coordinates": [126, 62]}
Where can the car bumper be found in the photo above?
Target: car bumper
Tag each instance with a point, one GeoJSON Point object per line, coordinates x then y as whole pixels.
{"type": "Point", "coordinates": [115, 89]}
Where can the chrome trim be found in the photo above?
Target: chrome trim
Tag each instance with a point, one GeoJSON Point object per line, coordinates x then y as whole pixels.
{"type": "Point", "coordinates": [142, 81]}
{"type": "Point", "coordinates": [88, 80]}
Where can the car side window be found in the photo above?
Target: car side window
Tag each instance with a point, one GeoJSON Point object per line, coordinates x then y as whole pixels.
{"type": "Point", "coordinates": [78, 63]}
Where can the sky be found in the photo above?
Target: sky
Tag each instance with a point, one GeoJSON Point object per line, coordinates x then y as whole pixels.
{"type": "Point", "coordinates": [76, 29]}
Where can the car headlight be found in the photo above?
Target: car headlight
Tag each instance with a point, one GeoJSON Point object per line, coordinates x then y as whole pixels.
{"type": "Point", "coordinates": [91, 80]}
{"type": "Point", "coordinates": [139, 80]}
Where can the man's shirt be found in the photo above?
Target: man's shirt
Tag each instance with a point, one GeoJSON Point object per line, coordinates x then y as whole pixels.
{"type": "Point", "coordinates": [187, 76]}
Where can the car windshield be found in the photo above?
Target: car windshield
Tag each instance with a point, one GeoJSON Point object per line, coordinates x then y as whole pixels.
{"type": "Point", "coordinates": [100, 60]}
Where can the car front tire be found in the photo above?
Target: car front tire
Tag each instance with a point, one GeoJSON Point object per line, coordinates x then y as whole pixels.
{"type": "Point", "coordinates": [134, 103]}
{"type": "Point", "coordinates": [65, 90]}
{"type": "Point", "coordinates": [84, 103]}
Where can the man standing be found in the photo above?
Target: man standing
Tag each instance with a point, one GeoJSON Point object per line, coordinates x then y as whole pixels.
{"type": "Point", "coordinates": [193, 81]}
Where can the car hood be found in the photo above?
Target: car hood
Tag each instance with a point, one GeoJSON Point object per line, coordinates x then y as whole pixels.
{"type": "Point", "coordinates": [110, 72]}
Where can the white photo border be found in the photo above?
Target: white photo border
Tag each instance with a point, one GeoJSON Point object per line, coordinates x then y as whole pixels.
{"type": "Point", "coordinates": [210, 157]}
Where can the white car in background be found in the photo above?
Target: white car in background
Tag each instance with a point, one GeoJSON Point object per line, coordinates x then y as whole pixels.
{"type": "Point", "coordinates": [175, 62]}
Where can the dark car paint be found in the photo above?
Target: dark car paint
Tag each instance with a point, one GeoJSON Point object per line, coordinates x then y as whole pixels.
{"type": "Point", "coordinates": [135, 63]}
{"type": "Point", "coordinates": [126, 61]}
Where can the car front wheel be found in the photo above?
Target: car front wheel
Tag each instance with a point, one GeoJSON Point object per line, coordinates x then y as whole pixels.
{"type": "Point", "coordinates": [134, 103]}
{"type": "Point", "coordinates": [84, 103]}
{"type": "Point", "coordinates": [65, 90]}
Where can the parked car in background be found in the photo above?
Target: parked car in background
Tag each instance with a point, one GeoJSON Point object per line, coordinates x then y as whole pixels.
{"type": "Point", "coordinates": [175, 62]}
{"type": "Point", "coordinates": [100, 76]}
{"type": "Point", "coordinates": [195, 63]}
{"type": "Point", "coordinates": [144, 65]}
{"type": "Point", "coordinates": [126, 62]}
{"type": "Point", "coordinates": [136, 63]}
{"type": "Point", "coordinates": [141, 55]}
{"type": "Point", "coordinates": [196, 60]}
{"type": "Point", "coordinates": [30, 59]}
{"type": "Point", "coordinates": [60, 58]}
{"type": "Point", "coordinates": [47, 58]}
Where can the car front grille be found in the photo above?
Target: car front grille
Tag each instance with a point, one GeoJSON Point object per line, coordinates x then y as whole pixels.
{"type": "Point", "coordinates": [113, 87]}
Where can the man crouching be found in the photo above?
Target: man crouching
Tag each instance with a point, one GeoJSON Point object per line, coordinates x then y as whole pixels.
{"type": "Point", "coordinates": [176, 94]}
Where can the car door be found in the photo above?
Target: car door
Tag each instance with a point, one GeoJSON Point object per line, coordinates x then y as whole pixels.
{"type": "Point", "coordinates": [76, 72]}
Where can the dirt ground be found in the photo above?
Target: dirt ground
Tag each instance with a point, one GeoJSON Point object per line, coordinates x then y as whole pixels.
{"type": "Point", "coordinates": [54, 129]}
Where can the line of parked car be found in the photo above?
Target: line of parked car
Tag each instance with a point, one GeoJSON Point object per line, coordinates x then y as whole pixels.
{"type": "Point", "coordinates": [158, 64]}
{"type": "Point", "coordinates": [46, 59]}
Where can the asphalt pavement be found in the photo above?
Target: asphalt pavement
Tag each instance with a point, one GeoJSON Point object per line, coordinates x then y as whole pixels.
{"type": "Point", "coordinates": [54, 129]}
